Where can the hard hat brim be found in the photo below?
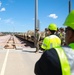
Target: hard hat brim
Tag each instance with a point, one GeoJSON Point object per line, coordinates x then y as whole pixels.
{"type": "Point", "coordinates": [71, 26]}
{"type": "Point", "coordinates": [70, 20]}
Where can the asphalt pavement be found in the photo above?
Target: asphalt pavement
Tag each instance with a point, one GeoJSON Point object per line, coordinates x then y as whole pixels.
{"type": "Point", "coordinates": [18, 62]}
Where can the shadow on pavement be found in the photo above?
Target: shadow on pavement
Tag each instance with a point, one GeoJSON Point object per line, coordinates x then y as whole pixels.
{"type": "Point", "coordinates": [28, 51]}
{"type": "Point", "coordinates": [31, 51]}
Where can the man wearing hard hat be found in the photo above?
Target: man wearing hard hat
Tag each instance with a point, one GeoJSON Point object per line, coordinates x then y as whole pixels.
{"type": "Point", "coordinates": [52, 40]}
{"type": "Point", "coordinates": [59, 60]}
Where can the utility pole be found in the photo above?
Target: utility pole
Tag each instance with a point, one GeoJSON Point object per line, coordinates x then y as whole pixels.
{"type": "Point", "coordinates": [38, 24]}
{"type": "Point", "coordinates": [36, 19]}
{"type": "Point", "coordinates": [69, 6]}
{"type": "Point", "coordinates": [36, 14]}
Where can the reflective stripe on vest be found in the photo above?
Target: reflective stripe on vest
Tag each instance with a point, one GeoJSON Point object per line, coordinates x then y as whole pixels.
{"type": "Point", "coordinates": [64, 61]}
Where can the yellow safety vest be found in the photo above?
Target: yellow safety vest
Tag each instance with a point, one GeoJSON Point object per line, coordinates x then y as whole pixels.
{"type": "Point", "coordinates": [64, 62]}
{"type": "Point", "coordinates": [51, 41]}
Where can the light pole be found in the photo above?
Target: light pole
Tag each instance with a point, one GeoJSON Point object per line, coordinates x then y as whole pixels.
{"type": "Point", "coordinates": [36, 14]}
{"type": "Point", "coordinates": [69, 6]}
{"type": "Point", "coordinates": [36, 19]}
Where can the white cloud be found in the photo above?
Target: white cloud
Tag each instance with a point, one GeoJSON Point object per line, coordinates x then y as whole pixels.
{"type": "Point", "coordinates": [0, 3]}
{"type": "Point", "coordinates": [9, 21]}
{"type": "Point", "coordinates": [2, 9]}
{"type": "Point", "coordinates": [54, 16]}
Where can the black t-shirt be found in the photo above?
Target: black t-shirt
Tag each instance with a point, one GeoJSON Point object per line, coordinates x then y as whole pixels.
{"type": "Point", "coordinates": [48, 64]}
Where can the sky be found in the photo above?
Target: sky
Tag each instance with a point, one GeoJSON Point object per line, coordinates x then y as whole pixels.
{"type": "Point", "coordinates": [19, 15]}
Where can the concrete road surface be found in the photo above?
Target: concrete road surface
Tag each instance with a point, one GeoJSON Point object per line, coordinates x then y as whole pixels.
{"type": "Point", "coordinates": [18, 62]}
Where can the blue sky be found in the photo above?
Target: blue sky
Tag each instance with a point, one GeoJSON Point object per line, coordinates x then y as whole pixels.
{"type": "Point", "coordinates": [18, 15]}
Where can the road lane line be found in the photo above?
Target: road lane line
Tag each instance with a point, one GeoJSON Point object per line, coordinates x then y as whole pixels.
{"type": "Point", "coordinates": [4, 64]}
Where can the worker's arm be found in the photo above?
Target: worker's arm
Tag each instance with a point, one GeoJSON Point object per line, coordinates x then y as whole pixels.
{"type": "Point", "coordinates": [48, 64]}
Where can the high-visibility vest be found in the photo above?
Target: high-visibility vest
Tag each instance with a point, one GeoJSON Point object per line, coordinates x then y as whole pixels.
{"type": "Point", "coordinates": [51, 41]}
{"type": "Point", "coordinates": [66, 56]}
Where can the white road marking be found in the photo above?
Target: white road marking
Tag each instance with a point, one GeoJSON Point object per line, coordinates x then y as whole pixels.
{"type": "Point", "coordinates": [4, 64]}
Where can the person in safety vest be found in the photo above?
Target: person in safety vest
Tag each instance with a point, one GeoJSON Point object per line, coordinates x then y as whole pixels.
{"type": "Point", "coordinates": [59, 60]}
{"type": "Point", "coordinates": [52, 40]}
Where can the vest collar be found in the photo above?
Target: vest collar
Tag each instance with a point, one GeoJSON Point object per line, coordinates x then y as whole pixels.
{"type": "Point", "coordinates": [71, 45]}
